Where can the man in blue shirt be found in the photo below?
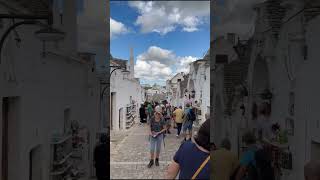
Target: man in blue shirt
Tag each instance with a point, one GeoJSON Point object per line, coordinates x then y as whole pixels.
{"type": "Point", "coordinates": [248, 158]}
{"type": "Point", "coordinates": [187, 124]}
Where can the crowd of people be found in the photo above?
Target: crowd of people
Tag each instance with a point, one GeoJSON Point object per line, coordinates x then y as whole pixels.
{"type": "Point", "coordinates": [198, 158]}
{"type": "Point", "coordinates": [192, 159]}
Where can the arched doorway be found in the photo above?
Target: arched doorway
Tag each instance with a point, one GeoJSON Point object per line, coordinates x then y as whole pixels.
{"type": "Point", "coordinates": [260, 79]}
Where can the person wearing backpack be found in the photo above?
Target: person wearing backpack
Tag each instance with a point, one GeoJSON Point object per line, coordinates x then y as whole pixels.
{"type": "Point", "coordinates": [255, 164]}
{"type": "Point", "coordinates": [189, 117]}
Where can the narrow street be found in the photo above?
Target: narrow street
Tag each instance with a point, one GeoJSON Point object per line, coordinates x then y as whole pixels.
{"type": "Point", "coordinates": [130, 154]}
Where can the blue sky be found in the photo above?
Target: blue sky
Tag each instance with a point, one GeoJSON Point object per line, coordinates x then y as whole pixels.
{"type": "Point", "coordinates": [165, 36]}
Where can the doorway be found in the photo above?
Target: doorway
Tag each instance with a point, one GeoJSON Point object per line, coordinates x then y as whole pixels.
{"type": "Point", "coordinates": [35, 169]}
{"type": "Point", "coordinates": [315, 150]}
{"type": "Point", "coordinates": [120, 118]}
{"type": "Point", "coordinates": [4, 160]}
{"type": "Point", "coordinates": [112, 108]}
{"type": "Point", "coordinates": [9, 160]}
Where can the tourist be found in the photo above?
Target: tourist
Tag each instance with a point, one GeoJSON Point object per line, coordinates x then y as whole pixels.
{"type": "Point", "coordinates": [101, 158]}
{"type": "Point", "coordinates": [167, 115]}
{"type": "Point", "coordinates": [189, 117]}
{"type": "Point", "coordinates": [192, 160]}
{"type": "Point", "coordinates": [312, 170]}
{"type": "Point", "coordinates": [173, 117]}
{"type": "Point", "coordinates": [224, 162]}
{"type": "Point", "coordinates": [264, 125]}
{"type": "Point", "coordinates": [178, 117]}
{"type": "Point", "coordinates": [197, 108]}
{"type": "Point", "coordinates": [163, 109]}
{"type": "Point", "coordinates": [256, 162]}
{"type": "Point", "coordinates": [150, 112]}
{"type": "Point", "coordinates": [158, 108]}
{"type": "Point", "coordinates": [142, 113]}
{"type": "Point", "coordinates": [157, 128]}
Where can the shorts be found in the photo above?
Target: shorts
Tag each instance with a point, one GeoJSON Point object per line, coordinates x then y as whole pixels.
{"type": "Point", "coordinates": [187, 126]}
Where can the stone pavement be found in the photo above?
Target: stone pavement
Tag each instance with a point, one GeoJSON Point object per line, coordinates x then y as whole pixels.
{"type": "Point", "coordinates": [130, 154]}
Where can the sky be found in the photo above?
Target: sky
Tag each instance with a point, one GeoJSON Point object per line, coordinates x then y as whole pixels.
{"type": "Point", "coordinates": [165, 36]}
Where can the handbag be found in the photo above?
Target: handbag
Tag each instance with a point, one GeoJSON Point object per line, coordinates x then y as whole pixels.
{"type": "Point", "coordinates": [201, 167]}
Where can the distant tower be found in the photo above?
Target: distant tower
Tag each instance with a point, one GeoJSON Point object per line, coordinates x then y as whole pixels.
{"type": "Point", "coordinates": [131, 63]}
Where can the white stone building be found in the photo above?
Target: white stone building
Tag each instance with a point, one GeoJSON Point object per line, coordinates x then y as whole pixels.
{"type": "Point", "coordinates": [182, 96]}
{"type": "Point", "coordinates": [41, 92]}
{"type": "Point", "coordinates": [126, 94]}
{"type": "Point", "coordinates": [199, 85]}
{"type": "Point", "coordinates": [285, 62]}
{"type": "Point", "coordinates": [283, 59]}
{"type": "Point", "coordinates": [155, 93]}
{"type": "Point", "coordinates": [171, 88]}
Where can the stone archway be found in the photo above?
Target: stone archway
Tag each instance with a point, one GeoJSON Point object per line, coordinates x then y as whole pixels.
{"type": "Point", "coordinates": [260, 79]}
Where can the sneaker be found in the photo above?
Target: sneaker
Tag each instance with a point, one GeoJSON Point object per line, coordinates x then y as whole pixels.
{"type": "Point", "coordinates": [150, 164]}
{"type": "Point", "coordinates": [177, 135]}
{"type": "Point", "coordinates": [157, 162]}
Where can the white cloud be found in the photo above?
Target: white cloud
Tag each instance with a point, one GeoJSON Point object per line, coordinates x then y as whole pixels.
{"type": "Point", "coordinates": [152, 70]}
{"type": "Point", "coordinates": [158, 54]}
{"type": "Point", "coordinates": [166, 16]}
{"type": "Point", "coordinates": [157, 64]}
{"type": "Point", "coordinates": [184, 62]}
{"type": "Point", "coordinates": [117, 28]}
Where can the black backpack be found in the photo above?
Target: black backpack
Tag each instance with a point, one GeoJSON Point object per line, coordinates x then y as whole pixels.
{"type": "Point", "coordinates": [263, 169]}
{"type": "Point", "coordinates": [191, 115]}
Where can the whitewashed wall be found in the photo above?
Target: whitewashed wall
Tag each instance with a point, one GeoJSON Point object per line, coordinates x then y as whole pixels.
{"type": "Point", "coordinates": [45, 87]}
{"type": "Point", "coordinates": [306, 90]}
{"type": "Point", "coordinates": [124, 87]}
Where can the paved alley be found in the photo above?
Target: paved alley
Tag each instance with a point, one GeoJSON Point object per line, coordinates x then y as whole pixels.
{"type": "Point", "coordinates": [130, 154]}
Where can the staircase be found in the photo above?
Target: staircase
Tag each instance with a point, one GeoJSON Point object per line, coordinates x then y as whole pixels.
{"type": "Point", "coordinates": [311, 12]}
{"type": "Point", "coordinates": [275, 15]}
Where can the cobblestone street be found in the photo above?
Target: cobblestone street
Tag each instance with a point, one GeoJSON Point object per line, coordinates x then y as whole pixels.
{"type": "Point", "coordinates": [130, 154]}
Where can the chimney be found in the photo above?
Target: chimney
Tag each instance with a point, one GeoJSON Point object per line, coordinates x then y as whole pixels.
{"type": "Point", "coordinates": [70, 27]}
{"type": "Point", "coordinates": [131, 62]}
{"type": "Point", "coordinates": [231, 37]}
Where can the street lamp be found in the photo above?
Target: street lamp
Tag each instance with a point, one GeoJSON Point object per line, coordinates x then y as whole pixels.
{"type": "Point", "coordinates": [46, 34]}
{"type": "Point", "coordinates": [124, 70]}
